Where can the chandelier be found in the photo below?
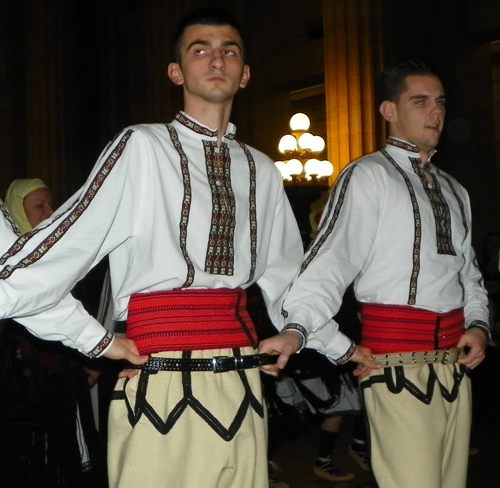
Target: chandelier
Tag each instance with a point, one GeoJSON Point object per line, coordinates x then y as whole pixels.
{"type": "Point", "coordinates": [302, 151]}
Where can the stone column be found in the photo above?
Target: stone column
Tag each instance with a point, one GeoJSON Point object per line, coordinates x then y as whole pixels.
{"type": "Point", "coordinates": [353, 52]}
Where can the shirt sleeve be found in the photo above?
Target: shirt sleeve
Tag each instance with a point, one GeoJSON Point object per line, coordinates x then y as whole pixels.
{"type": "Point", "coordinates": [476, 301]}
{"type": "Point", "coordinates": [336, 256]}
{"type": "Point", "coordinates": [96, 220]}
{"type": "Point", "coordinates": [71, 324]}
{"type": "Point", "coordinates": [285, 254]}
{"type": "Point", "coordinates": [68, 321]}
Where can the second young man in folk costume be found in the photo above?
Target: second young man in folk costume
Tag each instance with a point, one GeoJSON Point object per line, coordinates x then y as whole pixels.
{"type": "Point", "coordinates": [400, 229]}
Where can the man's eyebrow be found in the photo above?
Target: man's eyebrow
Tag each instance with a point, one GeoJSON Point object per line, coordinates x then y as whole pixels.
{"type": "Point", "coordinates": [424, 97]}
{"type": "Point", "coordinates": [201, 42]}
{"type": "Point", "coordinates": [231, 44]}
{"type": "Point", "coordinates": [198, 41]}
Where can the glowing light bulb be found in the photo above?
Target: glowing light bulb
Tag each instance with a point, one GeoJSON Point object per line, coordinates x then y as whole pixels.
{"type": "Point", "coordinates": [299, 122]}
{"type": "Point", "coordinates": [287, 143]}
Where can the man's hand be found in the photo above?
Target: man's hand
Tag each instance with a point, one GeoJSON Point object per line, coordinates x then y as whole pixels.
{"type": "Point", "coordinates": [476, 340]}
{"type": "Point", "coordinates": [123, 348]}
{"type": "Point", "coordinates": [363, 356]}
{"type": "Point", "coordinates": [284, 344]}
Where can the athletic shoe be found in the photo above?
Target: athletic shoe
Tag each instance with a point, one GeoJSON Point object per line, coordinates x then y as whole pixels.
{"type": "Point", "coordinates": [358, 453]}
{"type": "Point", "coordinates": [274, 480]}
{"type": "Point", "coordinates": [324, 468]}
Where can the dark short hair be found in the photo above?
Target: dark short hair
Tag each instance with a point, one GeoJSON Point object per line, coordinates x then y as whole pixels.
{"type": "Point", "coordinates": [393, 80]}
{"type": "Point", "coordinates": [202, 16]}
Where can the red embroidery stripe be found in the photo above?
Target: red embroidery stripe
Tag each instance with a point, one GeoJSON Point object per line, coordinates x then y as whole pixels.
{"type": "Point", "coordinates": [394, 328]}
{"type": "Point", "coordinates": [187, 320]}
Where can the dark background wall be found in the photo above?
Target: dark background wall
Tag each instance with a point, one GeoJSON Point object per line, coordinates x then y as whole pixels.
{"type": "Point", "coordinates": [74, 72]}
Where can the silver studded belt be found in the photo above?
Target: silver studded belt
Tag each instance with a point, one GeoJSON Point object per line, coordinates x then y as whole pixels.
{"type": "Point", "coordinates": [217, 364]}
{"type": "Point", "coordinates": [444, 356]}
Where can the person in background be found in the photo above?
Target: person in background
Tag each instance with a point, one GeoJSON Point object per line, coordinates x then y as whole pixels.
{"type": "Point", "coordinates": [190, 217]}
{"type": "Point", "coordinates": [400, 228]}
{"type": "Point", "coordinates": [45, 404]}
{"type": "Point", "coordinates": [489, 265]}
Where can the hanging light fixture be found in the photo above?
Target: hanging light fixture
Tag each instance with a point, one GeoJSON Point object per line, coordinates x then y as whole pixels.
{"type": "Point", "coordinates": [302, 150]}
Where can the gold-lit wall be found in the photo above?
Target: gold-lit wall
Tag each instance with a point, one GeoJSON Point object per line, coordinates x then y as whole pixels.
{"type": "Point", "coordinates": [353, 56]}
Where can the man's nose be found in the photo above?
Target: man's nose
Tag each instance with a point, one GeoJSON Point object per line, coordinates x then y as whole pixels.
{"type": "Point", "coordinates": [438, 108]}
{"type": "Point", "coordinates": [217, 60]}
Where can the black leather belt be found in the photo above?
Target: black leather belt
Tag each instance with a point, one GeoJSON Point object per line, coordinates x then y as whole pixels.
{"type": "Point", "coordinates": [217, 364]}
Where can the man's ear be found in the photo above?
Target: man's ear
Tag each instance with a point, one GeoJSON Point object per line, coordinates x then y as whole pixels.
{"type": "Point", "coordinates": [174, 72]}
{"type": "Point", "coordinates": [246, 76]}
{"type": "Point", "coordinates": [388, 111]}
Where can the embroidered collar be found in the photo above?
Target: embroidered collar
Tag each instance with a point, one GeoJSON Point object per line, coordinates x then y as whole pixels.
{"type": "Point", "coordinates": [197, 127]}
{"type": "Point", "coordinates": [411, 148]}
{"type": "Point", "coordinates": [402, 144]}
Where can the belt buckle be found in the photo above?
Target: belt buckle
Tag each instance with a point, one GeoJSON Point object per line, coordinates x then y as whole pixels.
{"type": "Point", "coordinates": [222, 364]}
{"type": "Point", "coordinates": [217, 363]}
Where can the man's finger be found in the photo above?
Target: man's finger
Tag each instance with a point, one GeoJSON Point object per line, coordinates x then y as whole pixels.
{"type": "Point", "coordinates": [128, 373]}
{"type": "Point", "coordinates": [271, 369]}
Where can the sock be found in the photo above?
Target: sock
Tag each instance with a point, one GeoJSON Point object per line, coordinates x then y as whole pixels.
{"type": "Point", "coordinates": [327, 442]}
{"type": "Point", "coordinates": [359, 430]}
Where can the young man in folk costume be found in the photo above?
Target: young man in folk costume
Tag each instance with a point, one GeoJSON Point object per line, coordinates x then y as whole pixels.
{"type": "Point", "coordinates": [400, 229]}
{"type": "Point", "coordinates": [190, 217]}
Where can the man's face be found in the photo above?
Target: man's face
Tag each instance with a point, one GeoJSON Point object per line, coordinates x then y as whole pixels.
{"type": "Point", "coordinates": [211, 67]}
{"type": "Point", "coordinates": [418, 116]}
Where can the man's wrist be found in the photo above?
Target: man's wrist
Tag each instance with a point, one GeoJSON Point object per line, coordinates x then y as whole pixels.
{"type": "Point", "coordinates": [298, 329]}
{"type": "Point", "coordinates": [103, 346]}
{"type": "Point", "coordinates": [483, 326]}
{"type": "Point", "coordinates": [348, 354]}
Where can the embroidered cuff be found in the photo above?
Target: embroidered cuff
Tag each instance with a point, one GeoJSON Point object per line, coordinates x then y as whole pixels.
{"type": "Point", "coordinates": [348, 355]}
{"type": "Point", "coordinates": [101, 346]}
{"type": "Point", "coordinates": [299, 329]}
{"type": "Point", "coordinates": [479, 324]}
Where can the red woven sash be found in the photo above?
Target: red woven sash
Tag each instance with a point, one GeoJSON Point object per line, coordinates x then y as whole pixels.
{"type": "Point", "coordinates": [188, 320]}
{"type": "Point", "coordinates": [394, 328]}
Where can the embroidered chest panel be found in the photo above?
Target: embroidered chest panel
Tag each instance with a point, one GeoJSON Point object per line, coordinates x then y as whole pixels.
{"type": "Point", "coordinates": [219, 258]}
{"type": "Point", "coordinates": [440, 208]}
{"type": "Point", "coordinates": [220, 252]}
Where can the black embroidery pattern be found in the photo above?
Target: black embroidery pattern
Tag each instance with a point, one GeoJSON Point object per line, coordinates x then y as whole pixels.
{"type": "Point", "coordinates": [348, 354]}
{"type": "Point", "coordinates": [459, 201]}
{"type": "Point", "coordinates": [186, 205]}
{"type": "Point", "coordinates": [396, 381]}
{"type": "Point", "coordinates": [220, 253]}
{"type": "Point", "coordinates": [440, 209]}
{"type": "Point", "coordinates": [402, 144]}
{"type": "Point", "coordinates": [192, 125]}
{"type": "Point", "coordinates": [103, 344]}
{"type": "Point", "coordinates": [464, 222]}
{"type": "Point", "coordinates": [252, 210]}
{"type": "Point", "coordinates": [143, 407]}
{"type": "Point", "coordinates": [417, 241]}
{"type": "Point", "coordinates": [9, 219]}
{"type": "Point", "coordinates": [332, 220]}
{"type": "Point", "coordinates": [71, 217]}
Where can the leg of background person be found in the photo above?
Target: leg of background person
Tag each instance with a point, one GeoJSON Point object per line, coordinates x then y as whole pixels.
{"type": "Point", "coordinates": [324, 467]}
{"type": "Point", "coordinates": [358, 448]}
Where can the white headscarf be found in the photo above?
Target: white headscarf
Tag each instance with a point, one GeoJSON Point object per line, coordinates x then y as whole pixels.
{"type": "Point", "coordinates": [14, 200]}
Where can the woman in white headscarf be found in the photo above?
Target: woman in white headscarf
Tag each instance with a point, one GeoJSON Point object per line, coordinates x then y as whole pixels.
{"type": "Point", "coordinates": [29, 202]}
{"type": "Point", "coordinates": [44, 388]}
